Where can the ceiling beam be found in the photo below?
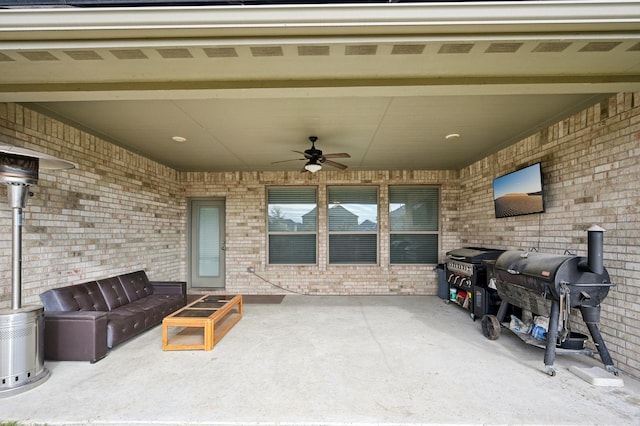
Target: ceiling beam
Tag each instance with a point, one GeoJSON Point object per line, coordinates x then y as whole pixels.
{"type": "Point", "coordinates": [467, 86]}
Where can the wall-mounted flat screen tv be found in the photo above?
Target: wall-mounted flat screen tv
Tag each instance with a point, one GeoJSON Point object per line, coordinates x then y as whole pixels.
{"type": "Point", "coordinates": [519, 193]}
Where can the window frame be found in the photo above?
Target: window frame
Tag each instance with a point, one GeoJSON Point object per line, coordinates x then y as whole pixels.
{"type": "Point", "coordinates": [330, 232]}
{"type": "Point", "coordinates": [437, 232]}
{"type": "Point", "coordinates": [269, 233]}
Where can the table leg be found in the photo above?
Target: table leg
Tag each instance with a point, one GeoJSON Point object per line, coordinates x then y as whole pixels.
{"type": "Point", "coordinates": [208, 335]}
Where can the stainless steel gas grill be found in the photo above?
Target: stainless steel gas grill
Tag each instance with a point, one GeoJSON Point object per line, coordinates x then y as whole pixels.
{"type": "Point", "coordinates": [551, 285]}
{"type": "Point", "coordinates": [466, 274]}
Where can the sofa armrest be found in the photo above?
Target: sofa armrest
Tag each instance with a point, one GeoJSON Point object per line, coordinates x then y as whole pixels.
{"type": "Point", "coordinates": [170, 288]}
{"type": "Point", "coordinates": [75, 336]}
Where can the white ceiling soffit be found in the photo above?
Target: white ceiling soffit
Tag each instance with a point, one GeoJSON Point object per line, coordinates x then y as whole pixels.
{"type": "Point", "coordinates": [179, 43]}
{"type": "Point", "coordinates": [384, 82]}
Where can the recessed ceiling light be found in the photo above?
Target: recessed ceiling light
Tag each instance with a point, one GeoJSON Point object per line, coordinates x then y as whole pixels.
{"type": "Point", "coordinates": [179, 139]}
{"type": "Point", "coordinates": [452, 136]}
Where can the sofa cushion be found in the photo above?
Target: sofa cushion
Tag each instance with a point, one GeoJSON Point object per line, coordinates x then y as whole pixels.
{"type": "Point", "coordinates": [79, 297]}
{"type": "Point", "coordinates": [123, 323]}
{"type": "Point", "coordinates": [113, 293]}
{"type": "Point", "coordinates": [157, 306]}
{"type": "Point", "coordinates": [136, 285]}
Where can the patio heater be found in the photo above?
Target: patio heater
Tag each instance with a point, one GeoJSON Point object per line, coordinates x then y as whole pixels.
{"type": "Point", "coordinates": [21, 327]}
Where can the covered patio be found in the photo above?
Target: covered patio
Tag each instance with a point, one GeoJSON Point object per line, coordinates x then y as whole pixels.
{"type": "Point", "coordinates": [309, 360]}
{"type": "Point", "coordinates": [160, 108]}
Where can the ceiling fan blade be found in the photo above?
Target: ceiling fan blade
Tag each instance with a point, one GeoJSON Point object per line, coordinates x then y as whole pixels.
{"type": "Point", "coordinates": [285, 161]}
{"type": "Point", "coordinates": [306, 156]}
{"type": "Point", "coordinates": [337, 155]}
{"type": "Point", "coordinates": [336, 165]}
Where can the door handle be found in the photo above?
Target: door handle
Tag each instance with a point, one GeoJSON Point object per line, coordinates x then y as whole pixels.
{"type": "Point", "coordinates": [224, 245]}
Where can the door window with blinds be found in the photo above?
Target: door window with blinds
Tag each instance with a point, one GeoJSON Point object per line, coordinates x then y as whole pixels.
{"type": "Point", "coordinates": [413, 222]}
{"type": "Point", "coordinates": [292, 225]}
{"type": "Point", "coordinates": [353, 224]}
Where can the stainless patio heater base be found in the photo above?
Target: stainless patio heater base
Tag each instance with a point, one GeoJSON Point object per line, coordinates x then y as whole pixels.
{"type": "Point", "coordinates": [21, 327]}
{"type": "Point", "coordinates": [21, 350]}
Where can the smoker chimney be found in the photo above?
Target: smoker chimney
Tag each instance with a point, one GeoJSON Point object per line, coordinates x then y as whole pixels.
{"type": "Point", "coordinates": [595, 250]}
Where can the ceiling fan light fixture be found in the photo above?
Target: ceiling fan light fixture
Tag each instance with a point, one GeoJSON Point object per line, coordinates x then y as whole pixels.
{"type": "Point", "coordinates": [312, 166]}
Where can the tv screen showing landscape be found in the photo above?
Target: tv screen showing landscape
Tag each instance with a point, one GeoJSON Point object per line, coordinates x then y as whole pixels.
{"type": "Point", "coordinates": [519, 193]}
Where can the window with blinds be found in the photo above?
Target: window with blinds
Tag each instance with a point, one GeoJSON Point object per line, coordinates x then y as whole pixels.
{"type": "Point", "coordinates": [292, 225]}
{"type": "Point", "coordinates": [353, 224]}
{"type": "Point", "coordinates": [413, 222]}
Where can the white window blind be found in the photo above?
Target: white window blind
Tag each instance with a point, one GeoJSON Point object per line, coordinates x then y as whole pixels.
{"type": "Point", "coordinates": [292, 225]}
{"type": "Point", "coordinates": [353, 224]}
{"type": "Point", "coordinates": [414, 224]}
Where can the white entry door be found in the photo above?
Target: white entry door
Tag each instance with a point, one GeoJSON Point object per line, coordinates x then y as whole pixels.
{"type": "Point", "coordinates": [207, 244]}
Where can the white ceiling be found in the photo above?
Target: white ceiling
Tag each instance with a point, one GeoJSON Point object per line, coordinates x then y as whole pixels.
{"type": "Point", "coordinates": [246, 85]}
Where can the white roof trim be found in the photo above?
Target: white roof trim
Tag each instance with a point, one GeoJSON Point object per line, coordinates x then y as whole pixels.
{"type": "Point", "coordinates": [355, 19]}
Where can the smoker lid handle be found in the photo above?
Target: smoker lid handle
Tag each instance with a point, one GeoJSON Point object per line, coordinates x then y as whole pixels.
{"type": "Point", "coordinates": [513, 272]}
{"type": "Point", "coordinates": [592, 284]}
{"type": "Point", "coordinates": [457, 257]}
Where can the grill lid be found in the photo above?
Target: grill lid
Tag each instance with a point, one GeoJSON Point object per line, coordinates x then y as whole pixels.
{"type": "Point", "coordinates": [542, 266]}
{"type": "Point", "coordinates": [474, 254]}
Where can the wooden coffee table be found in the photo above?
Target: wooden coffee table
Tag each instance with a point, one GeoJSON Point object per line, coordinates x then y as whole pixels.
{"type": "Point", "coordinates": [202, 323]}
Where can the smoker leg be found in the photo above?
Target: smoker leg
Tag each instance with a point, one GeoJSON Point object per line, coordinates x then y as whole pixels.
{"type": "Point", "coordinates": [591, 317]}
{"type": "Point", "coordinates": [552, 337]}
{"type": "Point", "coordinates": [502, 311]}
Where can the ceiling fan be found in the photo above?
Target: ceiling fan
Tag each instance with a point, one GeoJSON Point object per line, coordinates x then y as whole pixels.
{"type": "Point", "coordinates": [315, 158]}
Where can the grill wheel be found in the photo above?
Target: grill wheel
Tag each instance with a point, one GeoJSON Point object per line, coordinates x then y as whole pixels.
{"type": "Point", "coordinates": [490, 327]}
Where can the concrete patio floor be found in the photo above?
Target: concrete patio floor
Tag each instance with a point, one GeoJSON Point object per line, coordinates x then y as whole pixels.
{"type": "Point", "coordinates": [330, 360]}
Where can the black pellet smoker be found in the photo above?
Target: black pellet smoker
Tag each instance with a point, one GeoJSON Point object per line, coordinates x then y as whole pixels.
{"type": "Point", "coordinates": [551, 285]}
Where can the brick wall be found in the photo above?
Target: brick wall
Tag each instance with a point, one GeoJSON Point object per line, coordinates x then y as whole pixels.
{"type": "Point", "coordinates": [118, 211]}
{"type": "Point", "coordinates": [114, 213]}
{"type": "Point", "coordinates": [591, 169]}
{"type": "Point", "coordinates": [245, 197]}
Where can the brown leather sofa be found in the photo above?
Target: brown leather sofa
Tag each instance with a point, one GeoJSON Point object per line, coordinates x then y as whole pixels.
{"type": "Point", "coordinates": [83, 321]}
